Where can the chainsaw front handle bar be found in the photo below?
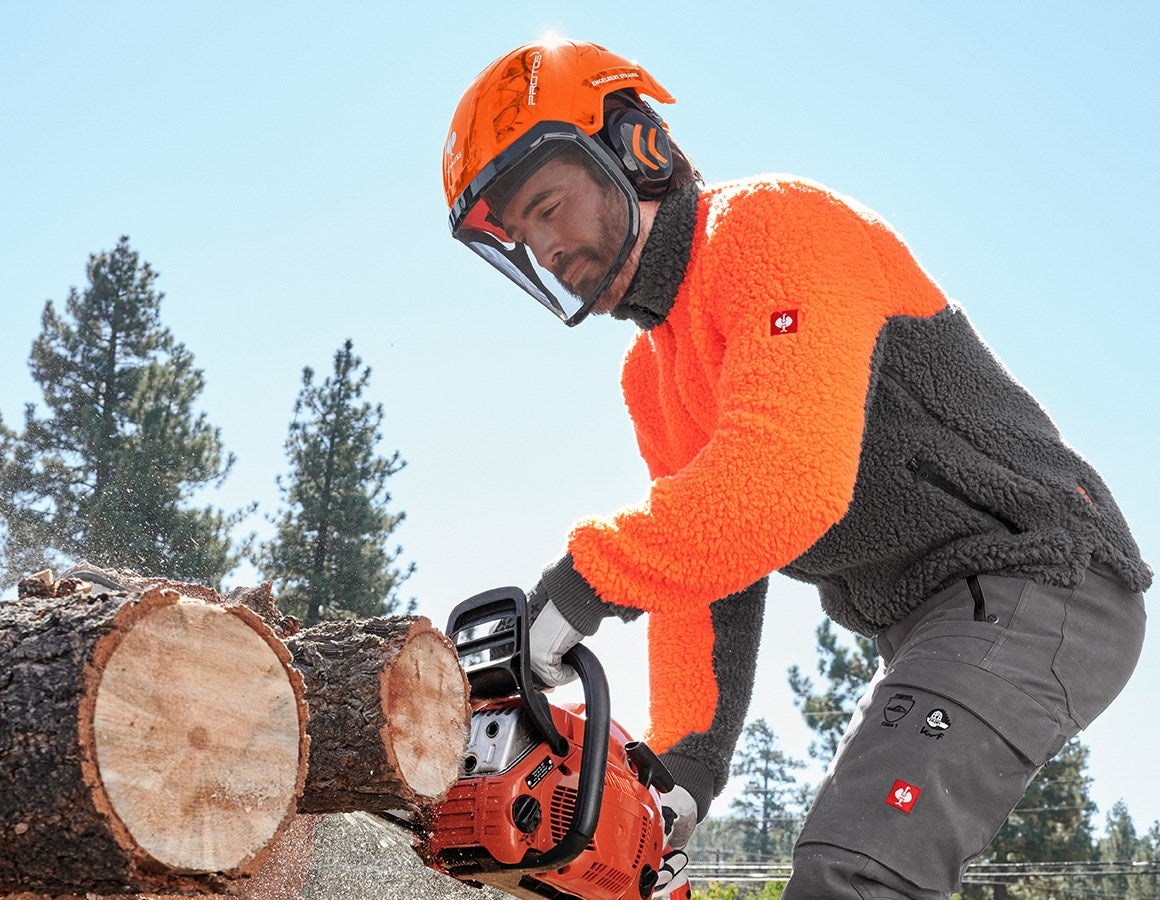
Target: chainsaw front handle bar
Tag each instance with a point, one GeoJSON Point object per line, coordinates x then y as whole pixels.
{"type": "Point", "coordinates": [495, 657]}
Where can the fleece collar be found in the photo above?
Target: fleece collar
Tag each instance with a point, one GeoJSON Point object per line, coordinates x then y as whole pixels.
{"type": "Point", "coordinates": [653, 288]}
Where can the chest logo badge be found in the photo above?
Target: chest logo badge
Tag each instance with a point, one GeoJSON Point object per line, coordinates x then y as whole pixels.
{"type": "Point", "coordinates": [784, 322]}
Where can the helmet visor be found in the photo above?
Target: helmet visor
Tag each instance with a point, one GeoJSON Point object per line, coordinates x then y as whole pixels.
{"type": "Point", "coordinates": [556, 216]}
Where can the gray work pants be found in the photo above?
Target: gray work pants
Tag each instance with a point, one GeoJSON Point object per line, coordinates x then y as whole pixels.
{"type": "Point", "coordinates": [977, 689]}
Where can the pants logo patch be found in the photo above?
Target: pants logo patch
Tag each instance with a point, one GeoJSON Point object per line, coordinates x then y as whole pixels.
{"type": "Point", "coordinates": [903, 796]}
{"type": "Point", "coordinates": [937, 723]}
{"type": "Point", "coordinates": [896, 709]}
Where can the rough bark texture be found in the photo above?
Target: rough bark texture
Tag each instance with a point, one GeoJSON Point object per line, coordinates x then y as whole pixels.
{"type": "Point", "coordinates": [257, 598]}
{"type": "Point", "coordinates": [78, 781]}
{"type": "Point", "coordinates": [389, 714]}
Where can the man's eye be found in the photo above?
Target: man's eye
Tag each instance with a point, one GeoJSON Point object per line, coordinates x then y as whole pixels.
{"type": "Point", "coordinates": [549, 211]}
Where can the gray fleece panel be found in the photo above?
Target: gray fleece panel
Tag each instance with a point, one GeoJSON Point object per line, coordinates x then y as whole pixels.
{"type": "Point", "coordinates": [700, 762]}
{"type": "Point", "coordinates": [961, 472]}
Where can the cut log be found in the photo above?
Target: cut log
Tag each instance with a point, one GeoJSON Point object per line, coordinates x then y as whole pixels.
{"type": "Point", "coordinates": [148, 742]}
{"type": "Point", "coordinates": [389, 714]}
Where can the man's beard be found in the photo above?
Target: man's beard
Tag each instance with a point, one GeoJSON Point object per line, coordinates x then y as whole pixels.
{"type": "Point", "coordinates": [599, 257]}
{"type": "Point", "coordinates": [593, 273]}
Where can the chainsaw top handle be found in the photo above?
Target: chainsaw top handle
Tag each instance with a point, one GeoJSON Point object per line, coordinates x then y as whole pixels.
{"type": "Point", "coordinates": [497, 664]}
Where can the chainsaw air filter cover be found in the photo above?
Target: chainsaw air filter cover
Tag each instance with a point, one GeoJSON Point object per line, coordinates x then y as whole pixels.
{"type": "Point", "coordinates": [516, 798]}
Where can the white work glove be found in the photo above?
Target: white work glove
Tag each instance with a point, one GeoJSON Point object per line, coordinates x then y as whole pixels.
{"type": "Point", "coordinates": [673, 880]}
{"type": "Point", "coordinates": [549, 638]}
{"type": "Point", "coordinates": [679, 810]}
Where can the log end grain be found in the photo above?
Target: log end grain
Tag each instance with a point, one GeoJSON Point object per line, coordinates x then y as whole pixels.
{"type": "Point", "coordinates": [425, 695]}
{"type": "Point", "coordinates": [196, 727]}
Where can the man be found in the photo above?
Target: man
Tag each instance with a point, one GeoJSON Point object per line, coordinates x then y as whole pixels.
{"type": "Point", "coordinates": [807, 400]}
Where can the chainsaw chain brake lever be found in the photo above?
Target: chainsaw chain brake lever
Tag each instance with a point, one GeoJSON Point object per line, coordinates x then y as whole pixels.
{"type": "Point", "coordinates": [490, 633]}
{"type": "Point", "coordinates": [497, 665]}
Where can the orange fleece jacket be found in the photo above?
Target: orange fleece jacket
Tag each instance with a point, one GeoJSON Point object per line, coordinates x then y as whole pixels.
{"type": "Point", "coordinates": [748, 402]}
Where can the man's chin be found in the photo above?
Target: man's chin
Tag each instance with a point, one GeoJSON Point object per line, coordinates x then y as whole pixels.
{"type": "Point", "coordinates": [607, 302]}
{"type": "Point", "coordinates": [613, 294]}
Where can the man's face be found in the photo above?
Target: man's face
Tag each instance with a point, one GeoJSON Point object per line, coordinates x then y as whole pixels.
{"type": "Point", "coordinates": [572, 224]}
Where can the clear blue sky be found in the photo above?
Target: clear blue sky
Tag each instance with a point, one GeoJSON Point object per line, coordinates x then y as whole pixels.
{"type": "Point", "coordinates": [278, 164]}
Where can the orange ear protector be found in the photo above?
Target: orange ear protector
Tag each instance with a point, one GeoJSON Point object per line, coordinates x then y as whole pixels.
{"type": "Point", "coordinates": [641, 145]}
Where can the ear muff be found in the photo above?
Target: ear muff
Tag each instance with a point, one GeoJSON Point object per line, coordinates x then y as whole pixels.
{"type": "Point", "coordinates": [642, 146]}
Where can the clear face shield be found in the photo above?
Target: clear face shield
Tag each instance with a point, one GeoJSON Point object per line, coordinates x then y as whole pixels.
{"type": "Point", "coordinates": [556, 215]}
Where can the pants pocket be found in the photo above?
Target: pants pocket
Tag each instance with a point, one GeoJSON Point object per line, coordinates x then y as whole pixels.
{"type": "Point", "coordinates": [1103, 633]}
{"type": "Point", "coordinates": [922, 787]}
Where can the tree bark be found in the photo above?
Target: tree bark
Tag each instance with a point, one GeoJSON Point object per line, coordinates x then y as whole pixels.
{"type": "Point", "coordinates": [389, 714]}
{"type": "Point", "coordinates": [148, 742]}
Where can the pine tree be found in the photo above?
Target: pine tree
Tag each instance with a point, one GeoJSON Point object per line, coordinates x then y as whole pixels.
{"type": "Point", "coordinates": [329, 557]}
{"type": "Point", "coordinates": [1051, 823]}
{"type": "Point", "coordinates": [847, 671]}
{"type": "Point", "coordinates": [109, 473]}
{"type": "Point", "coordinates": [1120, 843]}
{"type": "Point", "coordinates": [768, 810]}
{"type": "Point", "coordinates": [1148, 851]}
{"type": "Point", "coordinates": [21, 526]}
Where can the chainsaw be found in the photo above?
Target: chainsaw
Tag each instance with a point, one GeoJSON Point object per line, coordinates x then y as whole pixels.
{"type": "Point", "coordinates": [552, 801]}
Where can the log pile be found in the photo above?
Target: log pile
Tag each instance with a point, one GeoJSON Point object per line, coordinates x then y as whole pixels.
{"type": "Point", "coordinates": [157, 737]}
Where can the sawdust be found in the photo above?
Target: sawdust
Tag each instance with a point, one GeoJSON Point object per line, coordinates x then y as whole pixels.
{"type": "Point", "coordinates": [362, 857]}
{"type": "Point", "coordinates": [345, 856]}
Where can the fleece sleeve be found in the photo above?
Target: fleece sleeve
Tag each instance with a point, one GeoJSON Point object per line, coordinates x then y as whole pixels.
{"type": "Point", "coordinates": [798, 285]}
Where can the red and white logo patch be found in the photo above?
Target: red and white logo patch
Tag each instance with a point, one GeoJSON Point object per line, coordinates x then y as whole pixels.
{"type": "Point", "coordinates": [903, 796]}
{"type": "Point", "coordinates": [784, 322]}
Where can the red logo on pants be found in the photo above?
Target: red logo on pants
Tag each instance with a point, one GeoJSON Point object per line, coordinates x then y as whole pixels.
{"type": "Point", "coordinates": [903, 796]}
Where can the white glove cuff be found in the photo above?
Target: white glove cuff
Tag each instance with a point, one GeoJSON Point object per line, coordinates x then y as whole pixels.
{"type": "Point", "coordinates": [681, 802]}
{"type": "Point", "coordinates": [550, 637]}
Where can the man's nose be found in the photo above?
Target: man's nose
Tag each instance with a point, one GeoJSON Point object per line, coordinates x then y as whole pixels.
{"type": "Point", "coordinates": [547, 246]}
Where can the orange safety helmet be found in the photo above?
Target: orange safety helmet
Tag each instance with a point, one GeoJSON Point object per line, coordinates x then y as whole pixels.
{"type": "Point", "coordinates": [546, 102]}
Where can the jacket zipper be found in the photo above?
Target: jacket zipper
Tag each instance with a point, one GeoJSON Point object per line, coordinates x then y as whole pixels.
{"type": "Point", "coordinates": [952, 490]}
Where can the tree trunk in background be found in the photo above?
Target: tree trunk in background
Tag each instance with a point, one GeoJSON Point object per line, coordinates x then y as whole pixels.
{"type": "Point", "coordinates": [148, 742]}
{"type": "Point", "coordinates": [389, 716]}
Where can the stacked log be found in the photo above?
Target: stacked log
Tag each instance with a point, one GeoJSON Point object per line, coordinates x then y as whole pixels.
{"type": "Point", "coordinates": [389, 714]}
{"type": "Point", "coordinates": [148, 742]}
{"type": "Point", "coordinates": [154, 734]}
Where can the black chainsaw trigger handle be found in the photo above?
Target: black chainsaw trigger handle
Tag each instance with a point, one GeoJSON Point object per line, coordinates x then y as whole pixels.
{"type": "Point", "coordinates": [650, 771]}
{"type": "Point", "coordinates": [496, 658]}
